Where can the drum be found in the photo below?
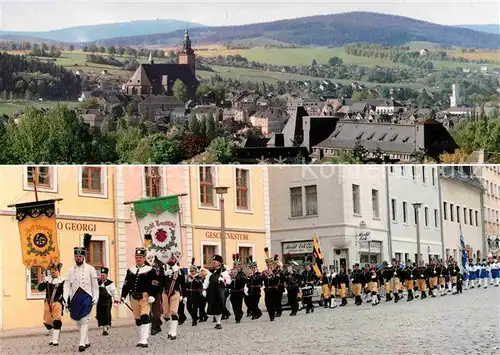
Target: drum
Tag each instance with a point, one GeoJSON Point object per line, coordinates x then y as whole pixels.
{"type": "Point", "coordinates": [307, 291]}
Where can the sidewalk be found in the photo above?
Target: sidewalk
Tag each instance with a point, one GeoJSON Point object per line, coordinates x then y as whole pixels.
{"type": "Point", "coordinates": [68, 327]}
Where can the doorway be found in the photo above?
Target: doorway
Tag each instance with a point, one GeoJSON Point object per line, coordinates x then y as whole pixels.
{"type": "Point", "coordinates": [340, 259]}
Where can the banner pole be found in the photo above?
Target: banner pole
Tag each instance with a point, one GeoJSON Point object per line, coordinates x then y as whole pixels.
{"type": "Point", "coordinates": [35, 178]}
{"type": "Point", "coordinates": [178, 195]}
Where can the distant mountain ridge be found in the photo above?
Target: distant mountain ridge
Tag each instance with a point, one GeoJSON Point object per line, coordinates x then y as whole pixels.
{"type": "Point", "coordinates": [100, 32]}
{"type": "Point", "coordinates": [328, 30]}
{"type": "Point", "coordinates": [483, 28]}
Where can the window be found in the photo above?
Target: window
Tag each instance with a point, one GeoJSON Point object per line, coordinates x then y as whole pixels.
{"type": "Point", "coordinates": [244, 252]}
{"type": "Point", "coordinates": [296, 201]}
{"type": "Point", "coordinates": [426, 216]}
{"type": "Point", "coordinates": [356, 200]}
{"type": "Point", "coordinates": [433, 176]}
{"type": "Point", "coordinates": [465, 215]}
{"type": "Point", "coordinates": [35, 274]}
{"type": "Point", "coordinates": [407, 257]}
{"type": "Point", "coordinates": [152, 181]}
{"type": "Point", "coordinates": [445, 211]}
{"type": "Point", "coordinates": [413, 172]}
{"type": "Point", "coordinates": [436, 218]}
{"type": "Point", "coordinates": [454, 254]}
{"type": "Point", "coordinates": [93, 182]}
{"type": "Point", "coordinates": [95, 254]}
{"type": "Point", "coordinates": [423, 174]}
{"type": "Point", "coordinates": [208, 253]}
{"type": "Point", "coordinates": [311, 201]}
{"type": "Point", "coordinates": [416, 257]}
{"type": "Point", "coordinates": [471, 220]}
{"type": "Point", "coordinates": [451, 212]}
{"type": "Point", "coordinates": [393, 210]}
{"type": "Point", "coordinates": [405, 212]}
{"type": "Point", "coordinates": [44, 176]}
{"type": "Point", "coordinates": [391, 169]}
{"type": "Point", "coordinates": [242, 189]}
{"type": "Point", "coordinates": [375, 204]}
{"type": "Point", "coordinates": [458, 214]}
{"type": "Point", "coordinates": [397, 256]}
{"type": "Point", "coordinates": [402, 171]}
{"type": "Point", "coordinates": [207, 186]}
{"type": "Point", "coordinates": [447, 253]}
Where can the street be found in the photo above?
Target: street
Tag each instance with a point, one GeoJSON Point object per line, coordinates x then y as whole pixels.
{"type": "Point", "coordinates": [454, 324]}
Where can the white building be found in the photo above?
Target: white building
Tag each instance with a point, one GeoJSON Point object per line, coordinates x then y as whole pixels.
{"type": "Point", "coordinates": [338, 203]}
{"type": "Point", "coordinates": [461, 195]}
{"type": "Point", "coordinates": [455, 99]}
{"type": "Point", "coordinates": [410, 185]}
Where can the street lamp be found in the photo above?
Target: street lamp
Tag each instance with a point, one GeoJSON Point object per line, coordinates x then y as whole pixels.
{"type": "Point", "coordinates": [221, 191]}
{"type": "Point", "coordinates": [416, 208]}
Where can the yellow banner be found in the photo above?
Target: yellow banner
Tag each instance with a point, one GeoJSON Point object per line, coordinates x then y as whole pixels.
{"type": "Point", "coordinates": [38, 233]}
{"type": "Point", "coordinates": [318, 257]}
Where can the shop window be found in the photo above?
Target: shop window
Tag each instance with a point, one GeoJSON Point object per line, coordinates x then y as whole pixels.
{"type": "Point", "coordinates": [152, 181]}
{"type": "Point", "coordinates": [208, 253]}
{"type": "Point", "coordinates": [207, 186]}
{"type": "Point", "coordinates": [95, 254]}
{"type": "Point", "coordinates": [35, 275]}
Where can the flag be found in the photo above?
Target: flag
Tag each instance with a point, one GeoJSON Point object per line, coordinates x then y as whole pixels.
{"type": "Point", "coordinates": [463, 250]}
{"type": "Point", "coordinates": [38, 233]}
{"type": "Point", "coordinates": [159, 218]}
{"type": "Point", "coordinates": [317, 257]}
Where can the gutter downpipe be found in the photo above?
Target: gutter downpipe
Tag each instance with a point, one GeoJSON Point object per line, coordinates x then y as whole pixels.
{"type": "Point", "coordinates": [388, 210]}
{"type": "Point", "coordinates": [440, 209]}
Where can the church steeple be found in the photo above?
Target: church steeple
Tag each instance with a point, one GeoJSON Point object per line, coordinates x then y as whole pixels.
{"type": "Point", "coordinates": [186, 44]}
{"type": "Point", "coordinates": [186, 56]}
{"type": "Point", "coordinates": [151, 61]}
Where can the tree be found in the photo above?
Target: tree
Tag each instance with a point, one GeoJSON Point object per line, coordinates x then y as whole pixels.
{"type": "Point", "coordinates": [224, 151]}
{"type": "Point", "coordinates": [385, 92]}
{"type": "Point", "coordinates": [89, 104]}
{"type": "Point", "coordinates": [180, 90]}
{"type": "Point", "coordinates": [359, 152]}
{"type": "Point", "coordinates": [71, 48]}
{"type": "Point", "coordinates": [28, 95]}
{"type": "Point", "coordinates": [457, 157]}
{"type": "Point", "coordinates": [159, 149]}
{"type": "Point", "coordinates": [121, 51]}
{"type": "Point", "coordinates": [194, 124]}
{"type": "Point", "coordinates": [112, 50]}
{"type": "Point", "coordinates": [203, 90]}
{"type": "Point", "coordinates": [127, 140]}
{"type": "Point", "coordinates": [4, 95]}
{"type": "Point", "coordinates": [210, 131]}
{"type": "Point", "coordinates": [11, 96]}
{"type": "Point", "coordinates": [203, 126]}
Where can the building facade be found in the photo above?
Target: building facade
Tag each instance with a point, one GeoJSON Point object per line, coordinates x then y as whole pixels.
{"type": "Point", "coordinates": [88, 206]}
{"type": "Point", "coordinates": [345, 206]}
{"type": "Point", "coordinates": [461, 194]}
{"type": "Point", "coordinates": [246, 212]}
{"type": "Point", "coordinates": [414, 197]}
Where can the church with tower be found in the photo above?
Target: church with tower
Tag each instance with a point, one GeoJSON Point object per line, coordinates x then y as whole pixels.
{"type": "Point", "coordinates": [159, 79]}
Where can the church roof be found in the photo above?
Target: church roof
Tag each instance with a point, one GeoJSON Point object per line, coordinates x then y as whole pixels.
{"type": "Point", "coordinates": [154, 73]}
{"type": "Point", "coordinates": [140, 77]}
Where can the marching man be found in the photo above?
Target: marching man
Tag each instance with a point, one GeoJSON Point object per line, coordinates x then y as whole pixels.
{"type": "Point", "coordinates": [495, 272]}
{"type": "Point", "coordinates": [215, 285]}
{"type": "Point", "coordinates": [140, 283]}
{"type": "Point", "coordinates": [82, 291]}
{"type": "Point", "coordinates": [107, 298]}
{"type": "Point", "coordinates": [53, 286]}
{"type": "Point", "coordinates": [172, 289]}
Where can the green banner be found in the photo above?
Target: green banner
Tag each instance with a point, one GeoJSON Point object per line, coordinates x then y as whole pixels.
{"type": "Point", "coordinates": [156, 206]}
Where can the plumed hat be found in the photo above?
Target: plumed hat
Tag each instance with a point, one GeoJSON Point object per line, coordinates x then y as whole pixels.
{"type": "Point", "coordinates": [269, 260]}
{"type": "Point", "coordinates": [56, 266]}
{"type": "Point", "coordinates": [309, 260]}
{"type": "Point", "coordinates": [250, 262]}
{"type": "Point", "coordinates": [141, 251]}
{"type": "Point", "coordinates": [217, 258]}
{"type": "Point", "coordinates": [236, 259]}
{"type": "Point", "coordinates": [104, 270]}
{"type": "Point", "coordinates": [193, 266]}
{"type": "Point", "coordinates": [82, 251]}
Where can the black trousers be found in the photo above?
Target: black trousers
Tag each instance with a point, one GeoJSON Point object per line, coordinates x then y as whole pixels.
{"type": "Point", "coordinates": [236, 299]}
{"type": "Point", "coordinates": [226, 313]}
{"type": "Point", "coordinates": [194, 306]}
{"type": "Point", "coordinates": [203, 308]}
{"type": "Point", "coordinates": [292, 299]}
{"type": "Point", "coordinates": [182, 312]}
{"type": "Point", "coordinates": [156, 313]}
{"type": "Point", "coordinates": [271, 299]}
{"type": "Point", "coordinates": [308, 302]}
{"type": "Point", "coordinates": [279, 307]}
{"type": "Point", "coordinates": [254, 300]}
{"type": "Point", "coordinates": [248, 303]}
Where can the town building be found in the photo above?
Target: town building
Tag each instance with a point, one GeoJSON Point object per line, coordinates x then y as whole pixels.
{"type": "Point", "coordinates": [345, 206]}
{"type": "Point", "coordinates": [88, 206]}
{"type": "Point", "coordinates": [414, 198]}
{"type": "Point", "coordinates": [246, 212]}
{"type": "Point", "coordinates": [461, 196]}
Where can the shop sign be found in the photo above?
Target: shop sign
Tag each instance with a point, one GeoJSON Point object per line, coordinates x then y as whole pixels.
{"type": "Point", "coordinates": [298, 248]}
{"type": "Point", "coordinates": [79, 227]}
{"type": "Point", "coordinates": [370, 247]}
{"type": "Point", "coordinates": [234, 236]}
{"type": "Point", "coordinates": [364, 236]}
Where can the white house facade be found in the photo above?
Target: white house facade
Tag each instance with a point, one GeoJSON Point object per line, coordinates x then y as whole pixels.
{"type": "Point", "coordinates": [461, 210]}
{"type": "Point", "coordinates": [345, 206]}
{"type": "Point", "coordinates": [414, 191]}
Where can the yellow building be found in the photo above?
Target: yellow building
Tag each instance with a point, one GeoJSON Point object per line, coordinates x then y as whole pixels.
{"type": "Point", "coordinates": [87, 205]}
{"type": "Point", "coordinates": [246, 212]}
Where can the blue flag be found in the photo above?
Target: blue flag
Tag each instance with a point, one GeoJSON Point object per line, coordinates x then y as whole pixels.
{"type": "Point", "coordinates": [463, 250]}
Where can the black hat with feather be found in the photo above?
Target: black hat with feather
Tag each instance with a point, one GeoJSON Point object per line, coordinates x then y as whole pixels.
{"type": "Point", "coordinates": [82, 251]}
{"type": "Point", "coordinates": [236, 259]}
{"type": "Point", "coordinates": [250, 262]}
{"type": "Point", "coordinates": [193, 266]}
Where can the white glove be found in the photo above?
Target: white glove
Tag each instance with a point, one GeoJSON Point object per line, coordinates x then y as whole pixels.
{"type": "Point", "coordinates": [221, 279]}
{"type": "Point", "coordinates": [122, 300]}
{"type": "Point", "coordinates": [204, 293]}
{"type": "Point", "coordinates": [245, 290]}
{"type": "Point", "coordinates": [184, 300]}
{"type": "Point", "coordinates": [151, 299]}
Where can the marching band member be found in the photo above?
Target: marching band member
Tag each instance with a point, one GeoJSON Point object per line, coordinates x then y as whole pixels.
{"type": "Point", "coordinates": [471, 268]}
{"type": "Point", "coordinates": [280, 274]}
{"type": "Point", "coordinates": [372, 282]}
{"type": "Point", "coordinates": [53, 305]}
{"type": "Point", "coordinates": [342, 285]}
{"type": "Point", "coordinates": [408, 280]}
{"type": "Point", "coordinates": [484, 273]}
{"type": "Point", "coordinates": [442, 272]}
{"type": "Point", "coordinates": [194, 291]}
{"type": "Point", "coordinates": [495, 272]}
{"type": "Point", "coordinates": [172, 296]}
{"type": "Point", "coordinates": [454, 272]}
{"type": "Point", "coordinates": [204, 273]}
{"type": "Point", "coordinates": [156, 306]}
{"type": "Point", "coordinates": [107, 298]}
{"type": "Point", "coordinates": [238, 288]}
{"type": "Point", "coordinates": [432, 273]}
{"type": "Point", "coordinates": [140, 283]}
{"type": "Point", "coordinates": [82, 290]}
{"type": "Point", "coordinates": [308, 279]}
{"type": "Point", "coordinates": [215, 285]}
{"type": "Point", "coordinates": [254, 289]}
{"type": "Point", "coordinates": [421, 274]}
{"type": "Point", "coordinates": [387, 273]}
{"type": "Point", "coordinates": [271, 292]}
{"type": "Point", "coordinates": [333, 288]}
{"type": "Point", "coordinates": [357, 280]}
{"type": "Point", "coordinates": [292, 287]}
{"type": "Point", "coordinates": [326, 288]}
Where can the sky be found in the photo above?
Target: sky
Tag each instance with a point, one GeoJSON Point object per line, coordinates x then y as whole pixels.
{"type": "Point", "coordinates": [39, 15]}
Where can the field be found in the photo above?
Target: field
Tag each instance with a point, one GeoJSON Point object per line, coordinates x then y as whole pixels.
{"type": "Point", "coordinates": [11, 108]}
{"type": "Point", "coordinates": [484, 55]}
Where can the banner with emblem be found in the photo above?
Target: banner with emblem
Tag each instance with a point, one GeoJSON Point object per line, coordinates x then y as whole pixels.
{"type": "Point", "coordinates": [38, 233]}
{"type": "Point", "coordinates": [160, 218]}
{"type": "Point", "coordinates": [317, 257]}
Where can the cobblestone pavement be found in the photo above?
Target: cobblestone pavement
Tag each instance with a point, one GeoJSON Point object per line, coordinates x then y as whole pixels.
{"type": "Point", "coordinates": [454, 324]}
